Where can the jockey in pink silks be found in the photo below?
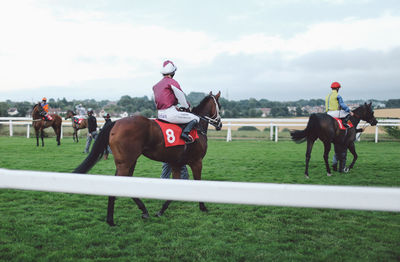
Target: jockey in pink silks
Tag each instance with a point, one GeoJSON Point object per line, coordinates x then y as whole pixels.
{"type": "Point", "coordinates": [169, 97]}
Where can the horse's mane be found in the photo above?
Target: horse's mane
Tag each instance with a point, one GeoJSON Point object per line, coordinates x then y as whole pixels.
{"type": "Point", "coordinates": [202, 104]}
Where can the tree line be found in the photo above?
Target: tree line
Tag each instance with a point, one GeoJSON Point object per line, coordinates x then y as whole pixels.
{"type": "Point", "coordinates": [146, 106]}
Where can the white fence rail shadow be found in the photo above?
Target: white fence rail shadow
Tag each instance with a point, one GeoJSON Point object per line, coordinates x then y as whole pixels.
{"type": "Point", "coordinates": [314, 196]}
{"type": "Point", "coordinates": [272, 123]}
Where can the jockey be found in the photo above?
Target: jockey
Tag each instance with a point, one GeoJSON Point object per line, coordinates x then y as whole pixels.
{"type": "Point", "coordinates": [169, 98]}
{"type": "Point", "coordinates": [45, 107]}
{"type": "Point", "coordinates": [80, 112]}
{"type": "Point", "coordinates": [334, 105]}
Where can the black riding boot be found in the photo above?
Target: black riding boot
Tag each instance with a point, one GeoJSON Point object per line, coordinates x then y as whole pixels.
{"type": "Point", "coordinates": [345, 120]}
{"type": "Point", "coordinates": [186, 130]}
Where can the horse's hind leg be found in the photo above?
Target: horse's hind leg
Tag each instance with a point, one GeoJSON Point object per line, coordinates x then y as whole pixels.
{"type": "Point", "coordinates": [57, 131]}
{"type": "Point", "coordinates": [176, 174]}
{"type": "Point", "coordinates": [327, 149]}
{"type": "Point", "coordinates": [310, 143]}
{"type": "Point", "coordinates": [124, 169]}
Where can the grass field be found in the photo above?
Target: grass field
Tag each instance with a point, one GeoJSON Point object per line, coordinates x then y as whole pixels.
{"type": "Point", "coordinates": [41, 226]}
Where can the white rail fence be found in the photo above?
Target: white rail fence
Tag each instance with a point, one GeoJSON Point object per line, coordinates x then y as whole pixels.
{"type": "Point", "coordinates": [275, 123]}
{"type": "Point", "coordinates": [292, 195]}
{"type": "Point", "coordinates": [272, 123]}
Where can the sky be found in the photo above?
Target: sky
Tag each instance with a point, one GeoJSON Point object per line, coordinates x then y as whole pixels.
{"type": "Point", "coordinates": [280, 50]}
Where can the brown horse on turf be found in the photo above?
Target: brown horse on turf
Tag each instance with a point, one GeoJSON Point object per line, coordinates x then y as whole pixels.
{"type": "Point", "coordinates": [39, 123]}
{"type": "Point", "coordinates": [83, 124]}
{"type": "Point", "coordinates": [326, 128]}
{"type": "Point", "coordinates": [131, 137]}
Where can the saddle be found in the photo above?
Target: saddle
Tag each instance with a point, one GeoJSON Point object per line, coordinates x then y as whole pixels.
{"type": "Point", "coordinates": [172, 133]}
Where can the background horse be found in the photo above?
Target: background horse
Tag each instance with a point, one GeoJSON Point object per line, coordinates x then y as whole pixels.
{"type": "Point", "coordinates": [326, 128]}
{"type": "Point", "coordinates": [132, 137]}
{"type": "Point", "coordinates": [83, 124]}
{"type": "Point", "coordinates": [39, 123]}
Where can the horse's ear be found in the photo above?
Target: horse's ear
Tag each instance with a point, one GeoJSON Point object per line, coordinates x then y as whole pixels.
{"type": "Point", "coordinates": [218, 95]}
{"type": "Point", "coordinates": [210, 94]}
{"type": "Point", "coordinates": [370, 104]}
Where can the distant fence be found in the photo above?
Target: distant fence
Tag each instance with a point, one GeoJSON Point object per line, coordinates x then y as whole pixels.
{"type": "Point", "coordinates": [315, 196]}
{"type": "Point", "coordinates": [272, 123]}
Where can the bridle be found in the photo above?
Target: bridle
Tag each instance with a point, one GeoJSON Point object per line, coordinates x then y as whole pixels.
{"type": "Point", "coordinates": [215, 119]}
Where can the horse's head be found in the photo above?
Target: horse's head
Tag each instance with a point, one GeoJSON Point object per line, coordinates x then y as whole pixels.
{"type": "Point", "coordinates": [69, 114]}
{"type": "Point", "coordinates": [366, 113]}
{"type": "Point", "coordinates": [209, 109]}
{"type": "Point", "coordinates": [38, 111]}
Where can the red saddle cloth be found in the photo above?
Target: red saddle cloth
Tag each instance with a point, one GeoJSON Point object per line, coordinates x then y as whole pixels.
{"type": "Point", "coordinates": [341, 126]}
{"type": "Point", "coordinates": [47, 118]}
{"type": "Point", "coordinates": [78, 120]}
{"type": "Point", "coordinates": [172, 133]}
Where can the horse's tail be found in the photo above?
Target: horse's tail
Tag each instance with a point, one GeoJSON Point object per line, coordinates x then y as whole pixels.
{"type": "Point", "coordinates": [97, 151]}
{"type": "Point", "coordinates": [300, 136]}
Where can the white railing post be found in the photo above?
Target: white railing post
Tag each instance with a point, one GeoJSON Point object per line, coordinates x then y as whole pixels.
{"type": "Point", "coordinates": [229, 133]}
{"type": "Point", "coordinates": [276, 133]}
{"type": "Point", "coordinates": [28, 130]}
{"type": "Point", "coordinates": [61, 136]}
{"type": "Point", "coordinates": [376, 134]}
{"type": "Point", "coordinates": [11, 128]}
{"type": "Point", "coordinates": [271, 131]}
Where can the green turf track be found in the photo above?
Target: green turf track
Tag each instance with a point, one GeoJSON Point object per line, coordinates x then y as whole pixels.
{"type": "Point", "coordinates": [41, 226]}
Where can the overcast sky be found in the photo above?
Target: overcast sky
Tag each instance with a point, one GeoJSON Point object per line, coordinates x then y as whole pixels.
{"type": "Point", "coordinates": [281, 50]}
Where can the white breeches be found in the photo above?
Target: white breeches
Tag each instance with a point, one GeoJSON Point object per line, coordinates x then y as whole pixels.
{"type": "Point", "coordinates": [337, 113]}
{"type": "Point", "coordinates": [172, 115]}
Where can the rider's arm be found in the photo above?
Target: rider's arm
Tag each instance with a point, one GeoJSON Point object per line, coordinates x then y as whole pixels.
{"type": "Point", "coordinates": [180, 96]}
{"type": "Point", "coordinates": [342, 104]}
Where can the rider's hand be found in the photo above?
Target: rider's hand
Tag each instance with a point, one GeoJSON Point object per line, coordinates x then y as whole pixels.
{"type": "Point", "coordinates": [351, 113]}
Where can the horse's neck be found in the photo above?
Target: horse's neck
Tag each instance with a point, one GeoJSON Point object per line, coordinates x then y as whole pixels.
{"type": "Point", "coordinates": [357, 118]}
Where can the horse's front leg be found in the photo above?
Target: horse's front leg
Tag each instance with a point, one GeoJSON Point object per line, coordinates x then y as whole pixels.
{"type": "Point", "coordinates": [42, 136]}
{"type": "Point", "coordinates": [196, 170]}
{"type": "Point", "coordinates": [37, 137]}
{"type": "Point", "coordinates": [352, 149]}
{"type": "Point", "coordinates": [110, 211]}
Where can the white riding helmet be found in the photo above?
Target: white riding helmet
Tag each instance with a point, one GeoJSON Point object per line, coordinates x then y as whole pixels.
{"type": "Point", "coordinates": [168, 68]}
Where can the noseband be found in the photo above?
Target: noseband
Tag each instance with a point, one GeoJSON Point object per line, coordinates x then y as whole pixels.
{"type": "Point", "coordinates": [214, 120]}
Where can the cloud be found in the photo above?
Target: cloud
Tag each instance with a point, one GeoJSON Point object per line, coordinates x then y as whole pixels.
{"type": "Point", "coordinates": [42, 48]}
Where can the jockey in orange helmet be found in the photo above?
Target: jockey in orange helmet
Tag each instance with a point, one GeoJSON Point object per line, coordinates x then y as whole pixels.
{"type": "Point", "coordinates": [45, 107]}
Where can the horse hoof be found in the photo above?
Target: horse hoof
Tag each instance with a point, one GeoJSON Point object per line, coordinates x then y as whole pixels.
{"type": "Point", "coordinates": [204, 209]}
{"type": "Point", "coordinates": [145, 216]}
{"type": "Point", "coordinates": [111, 223]}
{"type": "Point", "coordinates": [329, 174]}
{"type": "Point", "coordinates": [306, 176]}
{"type": "Point", "coordinates": [158, 214]}
{"type": "Point", "coordinates": [346, 170]}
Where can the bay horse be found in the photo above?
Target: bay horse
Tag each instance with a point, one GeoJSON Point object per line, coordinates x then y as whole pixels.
{"type": "Point", "coordinates": [132, 137]}
{"type": "Point", "coordinates": [40, 124]}
{"type": "Point", "coordinates": [326, 128]}
{"type": "Point", "coordinates": [83, 124]}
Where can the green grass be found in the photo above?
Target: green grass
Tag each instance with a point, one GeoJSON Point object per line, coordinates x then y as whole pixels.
{"type": "Point", "coordinates": [42, 226]}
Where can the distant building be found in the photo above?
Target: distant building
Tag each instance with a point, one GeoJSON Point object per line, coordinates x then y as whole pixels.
{"type": "Point", "coordinates": [266, 111]}
{"type": "Point", "coordinates": [12, 111]}
{"type": "Point", "coordinates": [291, 110]}
{"type": "Point", "coordinates": [313, 109]}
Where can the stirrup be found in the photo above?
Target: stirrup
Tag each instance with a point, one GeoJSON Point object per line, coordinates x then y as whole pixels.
{"type": "Point", "coordinates": [188, 138]}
